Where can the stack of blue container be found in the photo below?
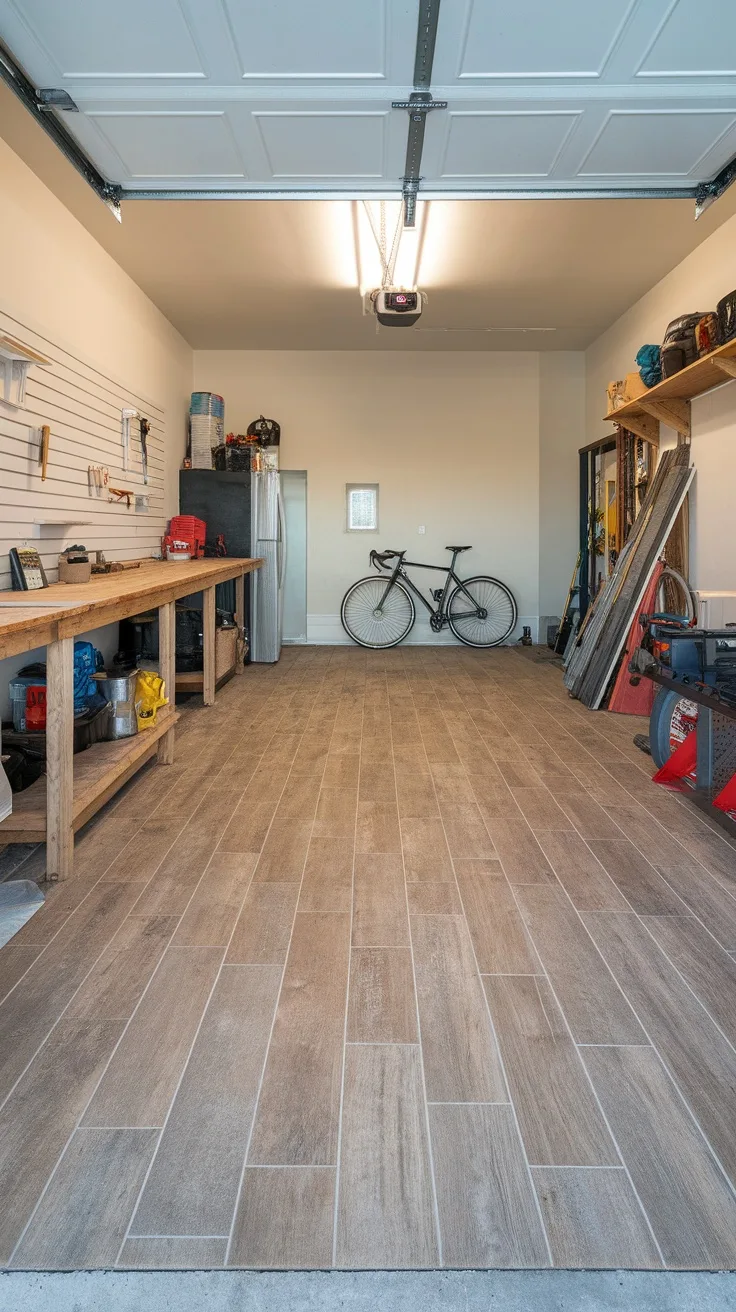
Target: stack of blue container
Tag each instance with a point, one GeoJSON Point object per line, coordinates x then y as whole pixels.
{"type": "Point", "coordinates": [206, 426]}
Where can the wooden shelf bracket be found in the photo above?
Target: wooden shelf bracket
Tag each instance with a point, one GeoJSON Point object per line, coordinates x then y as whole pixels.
{"type": "Point", "coordinates": [642, 425]}
{"type": "Point", "coordinates": [725, 365]}
{"type": "Point", "coordinates": [672, 412]}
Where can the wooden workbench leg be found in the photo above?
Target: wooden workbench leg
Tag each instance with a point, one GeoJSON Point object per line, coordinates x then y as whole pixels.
{"type": "Point", "coordinates": [208, 637]}
{"type": "Point", "coordinates": [60, 758]}
{"type": "Point", "coordinates": [240, 619]}
{"type": "Point", "coordinates": [167, 670]}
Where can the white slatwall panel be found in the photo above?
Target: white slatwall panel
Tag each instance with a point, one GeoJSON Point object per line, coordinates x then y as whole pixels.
{"type": "Point", "coordinates": [82, 408]}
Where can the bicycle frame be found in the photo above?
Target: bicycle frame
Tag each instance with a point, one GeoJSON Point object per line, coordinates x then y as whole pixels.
{"type": "Point", "coordinates": [438, 617]}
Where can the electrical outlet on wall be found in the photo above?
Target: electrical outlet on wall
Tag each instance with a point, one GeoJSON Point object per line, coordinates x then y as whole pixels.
{"type": "Point", "coordinates": [421, 529]}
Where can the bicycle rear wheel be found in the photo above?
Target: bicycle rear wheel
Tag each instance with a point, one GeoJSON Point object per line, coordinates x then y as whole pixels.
{"type": "Point", "coordinates": [371, 624]}
{"type": "Point", "coordinates": [497, 608]}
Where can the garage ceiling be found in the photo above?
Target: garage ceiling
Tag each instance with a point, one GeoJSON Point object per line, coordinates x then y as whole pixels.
{"type": "Point", "coordinates": [283, 274]}
{"type": "Point", "coordinates": [288, 100]}
{"type": "Point", "coordinates": [285, 96]}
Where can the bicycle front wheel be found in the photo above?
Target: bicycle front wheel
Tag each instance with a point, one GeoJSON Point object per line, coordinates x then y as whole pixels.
{"type": "Point", "coordinates": [371, 622]}
{"type": "Point", "coordinates": [487, 619]}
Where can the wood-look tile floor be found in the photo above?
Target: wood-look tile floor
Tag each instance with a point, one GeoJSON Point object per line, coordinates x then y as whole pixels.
{"type": "Point", "coordinates": [405, 963]}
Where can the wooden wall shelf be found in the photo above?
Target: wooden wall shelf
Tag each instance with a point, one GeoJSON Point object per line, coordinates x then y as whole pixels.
{"type": "Point", "coordinates": [669, 402]}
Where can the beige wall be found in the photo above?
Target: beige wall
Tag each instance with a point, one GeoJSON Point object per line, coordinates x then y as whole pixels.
{"type": "Point", "coordinates": [453, 440]}
{"type": "Point", "coordinates": [561, 434]}
{"type": "Point", "coordinates": [696, 284]}
{"type": "Point", "coordinates": [57, 279]}
{"type": "Point", "coordinates": [59, 282]}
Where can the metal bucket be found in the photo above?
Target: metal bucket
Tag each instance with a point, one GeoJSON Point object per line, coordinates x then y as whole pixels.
{"type": "Point", "coordinates": [119, 689]}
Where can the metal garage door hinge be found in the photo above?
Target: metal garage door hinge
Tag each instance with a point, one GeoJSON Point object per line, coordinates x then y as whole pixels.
{"type": "Point", "coordinates": [419, 104]}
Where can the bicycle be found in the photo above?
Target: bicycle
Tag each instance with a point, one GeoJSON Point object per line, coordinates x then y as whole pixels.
{"type": "Point", "coordinates": [376, 613]}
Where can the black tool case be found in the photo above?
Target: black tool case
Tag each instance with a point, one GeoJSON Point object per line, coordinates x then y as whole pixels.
{"type": "Point", "coordinates": [703, 655]}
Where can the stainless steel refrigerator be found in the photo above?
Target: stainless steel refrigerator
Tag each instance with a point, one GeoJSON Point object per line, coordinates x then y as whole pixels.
{"type": "Point", "coordinates": [248, 510]}
{"type": "Point", "coordinates": [267, 587]}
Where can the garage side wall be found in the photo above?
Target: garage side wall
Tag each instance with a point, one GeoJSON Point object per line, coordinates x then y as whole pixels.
{"type": "Point", "coordinates": [696, 284]}
{"type": "Point", "coordinates": [109, 347]}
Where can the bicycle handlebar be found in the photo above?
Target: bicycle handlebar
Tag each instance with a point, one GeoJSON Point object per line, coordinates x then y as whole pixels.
{"type": "Point", "coordinates": [380, 558]}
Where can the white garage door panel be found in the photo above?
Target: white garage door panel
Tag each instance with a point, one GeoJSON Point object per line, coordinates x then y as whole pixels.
{"type": "Point", "coordinates": [296, 94]}
{"type": "Point", "coordinates": [324, 145]}
{"type": "Point", "coordinates": [528, 38]}
{"type": "Point", "coordinates": [656, 143]}
{"type": "Point", "coordinates": [696, 39]}
{"type": "Point", "coordinates": [505, 144]}
{"type": "Point", "coordinates": [173, 145]}
{"type": "Point", "coordinates": [104, 38]}
{"type": "Point", "coordinates": [320, 39]}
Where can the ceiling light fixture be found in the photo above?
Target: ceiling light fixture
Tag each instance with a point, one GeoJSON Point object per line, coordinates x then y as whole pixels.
{"type": "Point", "coordinates": [387, 253]}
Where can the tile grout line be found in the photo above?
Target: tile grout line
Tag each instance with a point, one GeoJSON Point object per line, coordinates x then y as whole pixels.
{"type": "Point", "coordinates": [196, 1237]}
{"type": "Point", "coordinates": [146, 885]}
{"type": "Point", "coordinates": [624, 836]}
{"type": "Point", "coordinates": [62, 926]}
{"type": "Point", "coordinates": [491, 1024]}
{"type": "Point", "coordinates": [338, 1155]}
{"type": "Point", "coordinates": [587, 1072]}
{"type": "Point", "coordinates": [239, 1190]}
{"type": "Point", "coordinates": [686, 910]}
{"type": "Point", "coordinates": [636, 803]}
{"type": "Point", "coordinates": [218, 974]}
{"type": "Point", "coordinates": [641, 919]}
{"type": "Point", "coordinates": [437, 668]}
{"type": "Point", "coordinates": [79, 1126]}
{"type": "Point", "coordinates": [427, 1126]}
{"type": "Point", "coordinates": [81, 984]}
{"type": "Point", "coordinates": [566, 1166]}
{"type": "Point", "coordinates": [582, 1062]}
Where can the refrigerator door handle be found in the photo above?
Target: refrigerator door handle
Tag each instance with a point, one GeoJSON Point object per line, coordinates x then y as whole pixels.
{"type": "Point", "coordinates": [281, 541]}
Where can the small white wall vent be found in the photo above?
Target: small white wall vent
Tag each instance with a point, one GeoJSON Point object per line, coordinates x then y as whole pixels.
{"type": "Point", "coordinates": [361, 507]}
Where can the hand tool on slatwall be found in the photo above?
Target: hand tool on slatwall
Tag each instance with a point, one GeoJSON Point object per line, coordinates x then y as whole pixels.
{"type": "Point", "coordinates": [145, 430]}
{"type": "Point", "coordinates": [43, 451]}
{"type": "Point", "coordinates": [97, 479]}
{"type": "Point", "coordinates": [118, 494]}
{"type": "Point", "coordinates": [127, 415]}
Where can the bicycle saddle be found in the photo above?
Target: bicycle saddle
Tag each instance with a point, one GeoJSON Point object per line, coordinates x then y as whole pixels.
{"type": "Point", "coordinates": [458, 548]}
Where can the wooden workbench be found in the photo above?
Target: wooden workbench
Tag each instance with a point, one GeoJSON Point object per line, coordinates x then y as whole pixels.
{"type": "Point", "coordinates": [53, 810]}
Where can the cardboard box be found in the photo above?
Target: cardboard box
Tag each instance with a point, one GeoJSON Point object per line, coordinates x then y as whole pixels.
{"type": "Point", "coordinates": [633, 386]}
{"type": "Point", "coordinates": [626, 389]}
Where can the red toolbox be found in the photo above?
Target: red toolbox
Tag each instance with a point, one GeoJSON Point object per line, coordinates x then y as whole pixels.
{"type": "Point", "coordinates": [189, 529]}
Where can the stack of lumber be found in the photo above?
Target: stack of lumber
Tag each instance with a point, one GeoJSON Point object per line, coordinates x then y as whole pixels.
{"type": "Point", "coordinates": [593, 658]}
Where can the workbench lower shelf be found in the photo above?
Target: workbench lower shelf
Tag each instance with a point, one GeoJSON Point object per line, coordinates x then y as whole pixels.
{"type": "Point", "coordinates": [192, 681]}
{"type": "Point", "coordinates": [98, 774]}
